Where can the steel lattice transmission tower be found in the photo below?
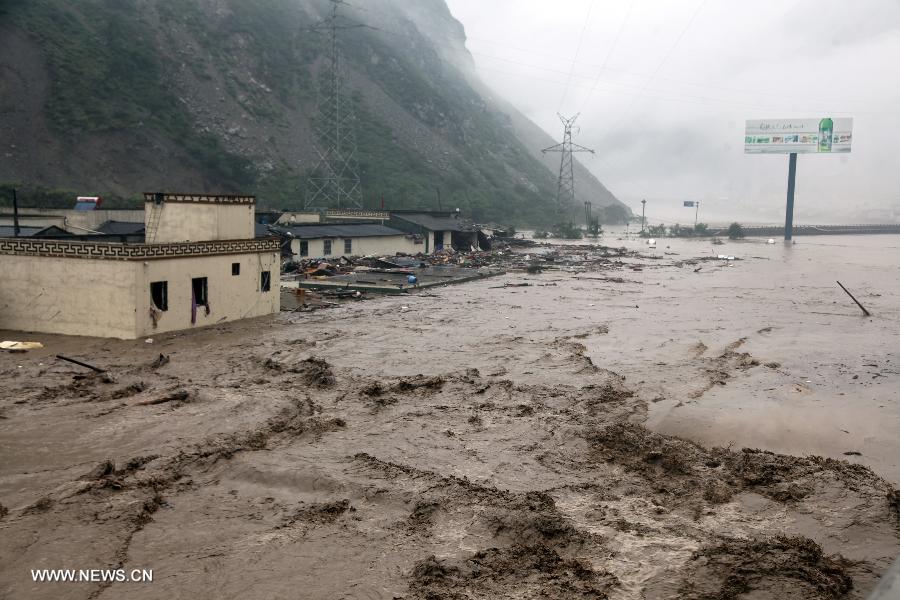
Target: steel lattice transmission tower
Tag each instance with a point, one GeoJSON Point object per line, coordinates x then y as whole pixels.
{"type": "Point", "coordinates": [334, 182]}
{"type": "Point", "coordinates": [565, 190]}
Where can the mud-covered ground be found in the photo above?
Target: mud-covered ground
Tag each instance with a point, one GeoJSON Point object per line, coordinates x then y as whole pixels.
{"type": "Point", "coordinates": [482, 442]}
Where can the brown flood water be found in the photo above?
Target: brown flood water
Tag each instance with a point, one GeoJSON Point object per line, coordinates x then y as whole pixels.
{"type": "Point", "coordinates": [476, 442]}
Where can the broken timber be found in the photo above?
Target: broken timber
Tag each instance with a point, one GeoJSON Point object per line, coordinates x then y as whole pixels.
{"type": "Point", "coordinates": [867, 313]}
{"type": "Point", "coordinates": [81, 364]}
{"type": "Point", "coordinates": [398, 286]}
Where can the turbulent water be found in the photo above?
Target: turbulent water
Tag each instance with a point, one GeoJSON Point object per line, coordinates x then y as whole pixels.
{"type": "Point", "coordinates": [484, 440]}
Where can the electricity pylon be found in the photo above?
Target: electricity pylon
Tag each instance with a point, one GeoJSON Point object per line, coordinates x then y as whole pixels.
{"type": "Point", "coordinates": [565, 190]}
{"type": "Point", "coordinates": [334, 182]}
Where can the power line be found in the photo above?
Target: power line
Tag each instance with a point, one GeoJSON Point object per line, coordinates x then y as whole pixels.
{"type": "Point", "coordinates": [587, 20]}
{"type": "Point", "coordinates": [679, 97]}
{"type": "Point", "coordinates": [665, 58]}
{"type": "Point", "coordinates": [689, 99]}
{"type": "Point", "coordinates": [609, 54]}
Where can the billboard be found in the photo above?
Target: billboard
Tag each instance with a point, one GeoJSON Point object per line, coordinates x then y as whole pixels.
{"type": "Point", "coordinates": [826, 135]}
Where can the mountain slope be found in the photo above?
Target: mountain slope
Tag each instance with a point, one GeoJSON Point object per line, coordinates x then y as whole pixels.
{"type": "Point", "coordinates": [119, 96]}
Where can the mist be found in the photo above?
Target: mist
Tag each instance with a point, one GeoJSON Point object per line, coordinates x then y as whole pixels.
{"type": "Point", "coordinates": [664, 89]}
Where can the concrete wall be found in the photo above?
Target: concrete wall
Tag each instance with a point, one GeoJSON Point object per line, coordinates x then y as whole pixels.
{"type": "Point", "coordinates": [362, 246]}
{"type": "Point", "coordinates": [200, 221]}
{"type": "Point", "coordinates": [33, 221]}
{"type": "Point", "coordinates": [73, 221]}
{"type": "Point", "coordinates": [231, 297]}
{"type": "Point", "coordinates": [68, 295]}
{"type": "Point", "coordinates": [83, 221]}
{"type": "Point", "coordinates": [290, 218]}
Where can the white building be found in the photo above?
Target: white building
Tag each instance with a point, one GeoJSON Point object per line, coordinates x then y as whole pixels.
{"type": "Point", "coordinates": [350, 239]}
{"type": "Point", "coordinates": [200, 265]}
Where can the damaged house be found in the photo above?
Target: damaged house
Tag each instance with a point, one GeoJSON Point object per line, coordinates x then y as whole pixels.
{"type": "Point", "coordinates": [440, 230]}
{"type": "Point", "coordinates": [198, 264]}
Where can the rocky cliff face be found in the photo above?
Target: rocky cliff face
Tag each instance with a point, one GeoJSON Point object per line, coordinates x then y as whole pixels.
{"type": "Point", "coordinates": [122, 96]}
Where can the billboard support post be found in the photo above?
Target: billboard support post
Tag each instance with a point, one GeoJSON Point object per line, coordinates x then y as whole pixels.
{"type": "Point", "coordinates": [789, 212]}
{"type": "Point", "coordinates": [828, 135]}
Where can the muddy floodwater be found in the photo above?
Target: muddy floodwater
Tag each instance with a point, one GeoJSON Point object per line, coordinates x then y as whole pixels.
{"type": "Point", "coordinates": [661, 425]}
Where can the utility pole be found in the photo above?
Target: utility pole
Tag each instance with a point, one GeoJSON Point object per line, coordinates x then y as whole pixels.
{"type": "Point", "coordinates": [643, 208]}
{"type": "Point", "coordinates": [696, 213]}
{"type": "Point", "coordinates": [334, 182]}
{"type": "Point", "coordinates": [565, 189]}
{"type": "Point", "coordinates": [16, 229]}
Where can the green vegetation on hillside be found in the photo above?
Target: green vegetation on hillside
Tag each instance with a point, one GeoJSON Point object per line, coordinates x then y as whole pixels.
{"type": "Point", "coordinates": [113, 66]}
{"type": "Point", "coordinates": [42, 197]}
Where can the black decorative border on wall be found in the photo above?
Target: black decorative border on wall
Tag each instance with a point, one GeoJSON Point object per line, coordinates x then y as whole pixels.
{"type": "Point", "coordinates": [66, 249]}
{"type": "Point", "coordinates": [352, 212]}
{"type": "Point", "coordinates": [201, 198]}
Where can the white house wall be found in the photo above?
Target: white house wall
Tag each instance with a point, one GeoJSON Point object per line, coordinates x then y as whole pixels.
{"type": "Point", "coordinates": [195, 221]}
{"type": "Point", "coordinates": [231, 297]}
{"type": "Point", "coordinates": [362, 246]}
{"type": "Point", "coordinates": [74, 296]}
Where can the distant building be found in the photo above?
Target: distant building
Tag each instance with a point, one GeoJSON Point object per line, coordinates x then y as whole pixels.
{"type": "Point", "coordinates": [200, 264]}
{"type": "Point", "coordinates": [327, 240]}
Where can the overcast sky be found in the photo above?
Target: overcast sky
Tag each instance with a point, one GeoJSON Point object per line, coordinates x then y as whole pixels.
{"type": "Point", "coordinates": [664, 88]}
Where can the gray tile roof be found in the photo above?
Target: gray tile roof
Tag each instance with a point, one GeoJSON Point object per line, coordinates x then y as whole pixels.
{"type": "Point", "coordinates": [121, 228]}
{"type": "Point", "coordinates": [432, 222]}
{"type": "Point", "coordinates": [9, 231]}
{"type": "Point", "coordinates": [340, 230]}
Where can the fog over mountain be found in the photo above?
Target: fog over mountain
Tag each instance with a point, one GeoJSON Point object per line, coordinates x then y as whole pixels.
{"type": "Point", "coordinates": [664, 89]}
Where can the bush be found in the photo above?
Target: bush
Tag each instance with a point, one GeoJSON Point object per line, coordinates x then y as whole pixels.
{"type": "Point", "coordinates": [735, 231]}
{"type": "Point", "coordinates": [677, 230]}
{"type": "Point", "coordinates": [567, 231]}
{"type": "Point", "coordinates": [540, 234]}
{"type": "Point", "coordinates": [701, 229]}
{"type": "Point", "coordinates": [655, 231]}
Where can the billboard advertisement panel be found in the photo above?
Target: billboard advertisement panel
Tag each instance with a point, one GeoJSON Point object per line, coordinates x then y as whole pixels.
{"type": "Point", "coordinates": [825, 135]}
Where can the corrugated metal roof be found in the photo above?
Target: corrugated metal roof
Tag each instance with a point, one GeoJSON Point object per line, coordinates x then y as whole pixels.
{"type": "Point", "coordinates": [343, 230]}
{"type": "Point", "coordinates": [432, 222]}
